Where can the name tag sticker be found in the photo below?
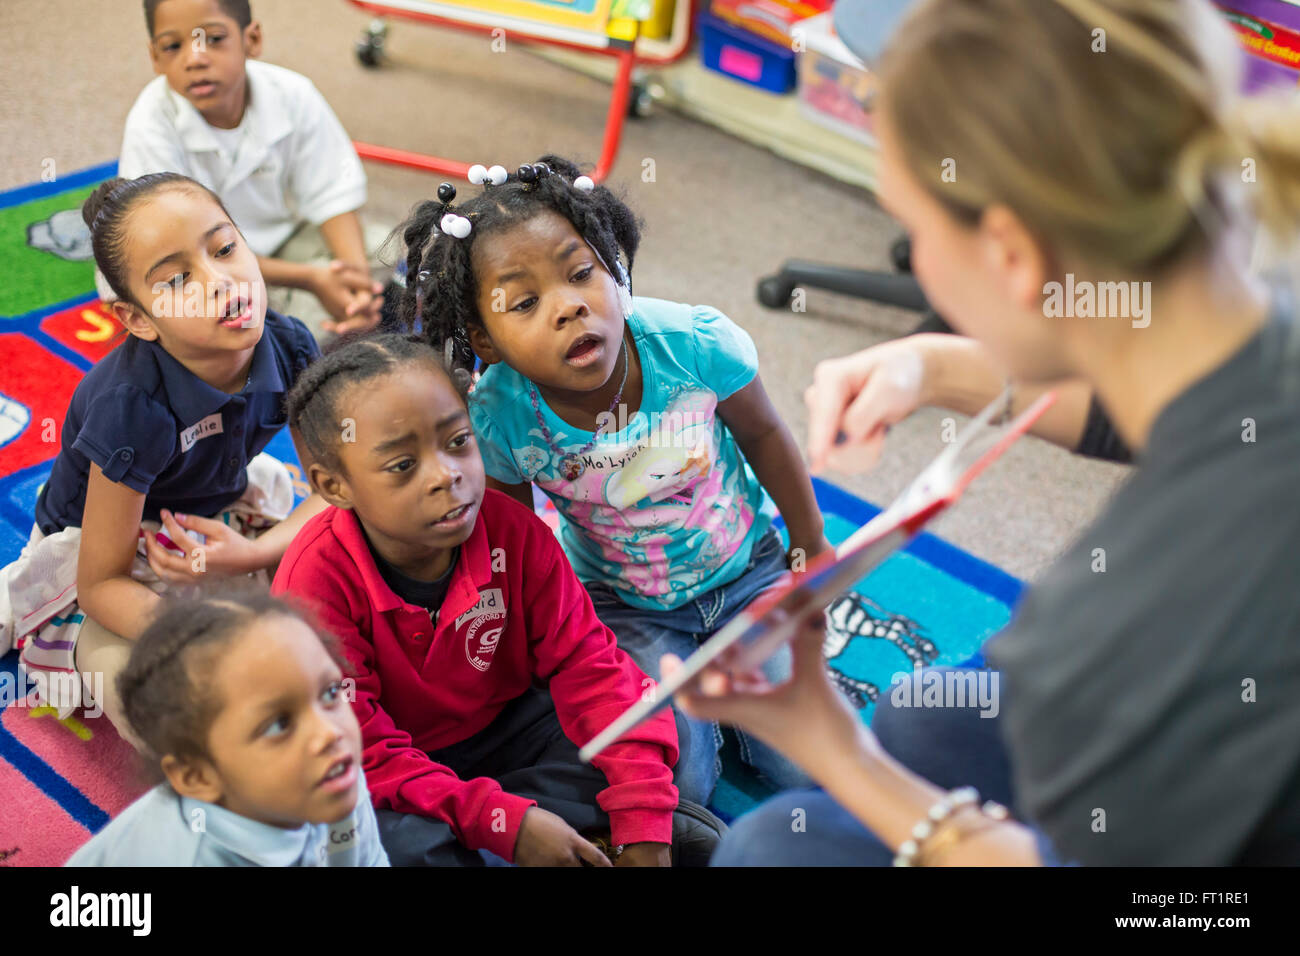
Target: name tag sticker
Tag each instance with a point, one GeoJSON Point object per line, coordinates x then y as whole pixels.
{"type": "Point", "coordinates": [491, 603]}
{"type": "Point", "coordinates": [209, 426]}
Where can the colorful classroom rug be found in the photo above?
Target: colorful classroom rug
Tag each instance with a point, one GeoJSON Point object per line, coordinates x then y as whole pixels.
{"type": "Point", "coordinates": [62, 780]}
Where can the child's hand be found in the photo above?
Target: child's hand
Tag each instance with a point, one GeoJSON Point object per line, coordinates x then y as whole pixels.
{"type": "Point", "coordinates": [546, 840]}
{"type": "Point", "coordinates": [801, 553]}
{"type": "Point", "coordinates": [225, 551]}
{"type": "Point", "coordinates": [349, 294]}
{"type": "Point", "coordinates": [645, 854]}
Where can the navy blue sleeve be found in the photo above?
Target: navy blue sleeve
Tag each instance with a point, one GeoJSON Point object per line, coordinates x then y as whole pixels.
{"type": "Point", "coordinates": [129, 435]}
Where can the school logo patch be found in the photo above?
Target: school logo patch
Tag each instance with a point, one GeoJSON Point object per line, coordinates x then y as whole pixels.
{"type": "Point", "coordinates": [481, 644]}
{"type": "Point", "coordinates": [209, 426]}
{"type": "Point", "coordinates": [486, 623]}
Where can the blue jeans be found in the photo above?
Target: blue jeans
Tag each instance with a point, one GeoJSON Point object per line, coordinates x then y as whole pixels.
{"type": "Point", "coordinates": [647, 635]}
{"type": "Point", "coordinates": [949, 746]}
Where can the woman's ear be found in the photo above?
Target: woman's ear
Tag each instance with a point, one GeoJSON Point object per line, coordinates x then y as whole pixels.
{"type": "Point", "coordinates": [1014, 257]}
{"type": "Point", "coordinates": [482, 345]}
{"type": "Point", "coordinates": [329, 485]}
{"type": "Point", "coordinates": [196, 779]}
{"type": "Point", "coordinates": [134, 320]}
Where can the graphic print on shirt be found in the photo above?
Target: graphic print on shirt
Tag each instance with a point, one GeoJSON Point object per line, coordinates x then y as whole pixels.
{"type": "Point", "coordinates": [643, 486]}
{"type": "Point", "coordinates": [483, 625]}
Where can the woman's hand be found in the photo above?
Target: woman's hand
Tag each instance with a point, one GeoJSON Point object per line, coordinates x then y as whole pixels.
{"type": "Point", "coordinates": [224, 553]}
{"type": "Point", "coordinates": [857, 398]}
{"type": "Point", "coordinates": [805, 718]}
{"type": "Point", "coordinates": [546, 840]}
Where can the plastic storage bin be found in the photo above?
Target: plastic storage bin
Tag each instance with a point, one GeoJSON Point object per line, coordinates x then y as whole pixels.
{"type": "Point", "coordinates": [836, 90]}
{"type": "Point", "coordinates": [769, 19]}
{"type": "Point", "coordinates": [743, 56]}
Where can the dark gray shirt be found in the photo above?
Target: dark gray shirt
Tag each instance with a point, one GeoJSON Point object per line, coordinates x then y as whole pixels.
{"type": "Point", "coordinates": [1152, 709]}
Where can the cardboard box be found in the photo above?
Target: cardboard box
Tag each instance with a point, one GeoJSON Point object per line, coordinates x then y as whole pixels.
{"type": "Point", "coordinates": [769, 19]}
{"type": "Point", "coordinates": [836, 90]}
{"type": "Point", "coordinates": [1269, 31]}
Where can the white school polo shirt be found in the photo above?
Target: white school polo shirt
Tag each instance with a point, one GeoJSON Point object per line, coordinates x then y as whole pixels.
{"type": "Point", "coordinates": [292, 161]}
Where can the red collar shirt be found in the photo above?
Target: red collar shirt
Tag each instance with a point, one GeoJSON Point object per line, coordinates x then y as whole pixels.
{"type": "Point", "coordinates": [514, 613]}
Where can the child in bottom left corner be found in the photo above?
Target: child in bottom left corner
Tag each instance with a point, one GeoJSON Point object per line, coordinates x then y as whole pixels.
{"type": "Point", "coordinates": [241, 705]}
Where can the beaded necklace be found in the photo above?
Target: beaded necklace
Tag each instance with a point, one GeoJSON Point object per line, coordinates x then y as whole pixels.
{"type": "Point", "coordinates": [571, 465]}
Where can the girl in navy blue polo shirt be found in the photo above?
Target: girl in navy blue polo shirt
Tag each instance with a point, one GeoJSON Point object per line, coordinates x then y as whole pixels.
{"type": "Point", "coordinates": [159, 482]}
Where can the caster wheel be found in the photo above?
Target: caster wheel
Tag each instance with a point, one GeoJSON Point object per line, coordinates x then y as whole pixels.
{"type": "Point", "coordinates": [900, 254]}
{"type": "Point", "coordinates": [370, 47]}
{"type": "Point", "coordinates": [640, 102]}
{"type": "Point", "coordinates": [774, 292]}
{"type": "Point", "coordinates": [367, 55]}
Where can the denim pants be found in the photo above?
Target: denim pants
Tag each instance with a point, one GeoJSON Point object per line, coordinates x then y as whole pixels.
{"type": "Point", "coordinates": [646, 635]}
{"type": "Point", "coordinates": [948, 746]}
{"type": "Point", "coordinates": [526, 751]}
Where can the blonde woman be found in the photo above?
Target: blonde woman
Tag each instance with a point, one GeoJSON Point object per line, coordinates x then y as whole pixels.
{"type": "Point", "coordinates": [1149, 692]}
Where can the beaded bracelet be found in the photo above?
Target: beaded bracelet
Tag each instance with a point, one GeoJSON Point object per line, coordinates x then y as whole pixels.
{"type": "Point", "coordinates": [909, 854]}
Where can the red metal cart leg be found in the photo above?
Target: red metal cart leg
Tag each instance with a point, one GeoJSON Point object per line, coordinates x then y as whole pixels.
{"type": "Point", "coordinates": [617, 113]}
{"type": "Point", "coordinates": [404, 157]}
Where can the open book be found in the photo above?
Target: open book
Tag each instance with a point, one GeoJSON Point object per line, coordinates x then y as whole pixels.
{"type": "Point", "coordinates": [775, 616]}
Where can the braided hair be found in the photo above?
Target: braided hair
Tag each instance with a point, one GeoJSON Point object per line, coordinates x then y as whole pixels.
{"type": "Point", "coordinates": [442, 290]}
{"type": "Point", "coordinates": [166, 687]}
{"type": "Point", "coordinates": [312, 402]}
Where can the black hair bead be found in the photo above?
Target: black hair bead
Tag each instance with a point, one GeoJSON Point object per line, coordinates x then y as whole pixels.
{"type": "Point", "coordinates": [446, 192]}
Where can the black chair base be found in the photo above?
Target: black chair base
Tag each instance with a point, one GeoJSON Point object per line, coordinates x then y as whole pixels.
{"type": "Point", "coordinates": [775, 291]}
{"type": "Point", "coordinates": [901, 289]}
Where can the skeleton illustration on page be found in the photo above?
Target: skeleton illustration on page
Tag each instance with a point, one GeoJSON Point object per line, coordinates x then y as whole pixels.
{"type": "Point", "coordinates": [853, 616]}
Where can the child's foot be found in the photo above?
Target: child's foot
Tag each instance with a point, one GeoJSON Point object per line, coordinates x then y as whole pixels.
{"type": "Point", "coordinates": [696, 834]}
{"type": "Point", "coordinates": [602, 841]}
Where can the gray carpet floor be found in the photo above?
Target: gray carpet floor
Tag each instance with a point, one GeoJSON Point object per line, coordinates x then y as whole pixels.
{"type": "Point", "coordinates": [719, 214]}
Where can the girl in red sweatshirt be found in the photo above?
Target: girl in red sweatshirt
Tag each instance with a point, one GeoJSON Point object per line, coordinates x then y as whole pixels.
{"type": "Point", "coordinates": [480, 664]}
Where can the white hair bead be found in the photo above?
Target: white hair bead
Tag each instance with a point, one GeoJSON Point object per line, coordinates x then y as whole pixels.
{"type": "Point", "coordinates": [478, 174]}
{"type": "Point", "coordinates": [497, 175]}
{"type": "Point", "coordinates": [456, 226]}
{"type": "Point", "coordinates": [585, 183]}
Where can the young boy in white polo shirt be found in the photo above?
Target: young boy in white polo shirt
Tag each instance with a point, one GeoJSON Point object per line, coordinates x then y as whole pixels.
{"type": "Point", "coordinates": [263, 139]}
